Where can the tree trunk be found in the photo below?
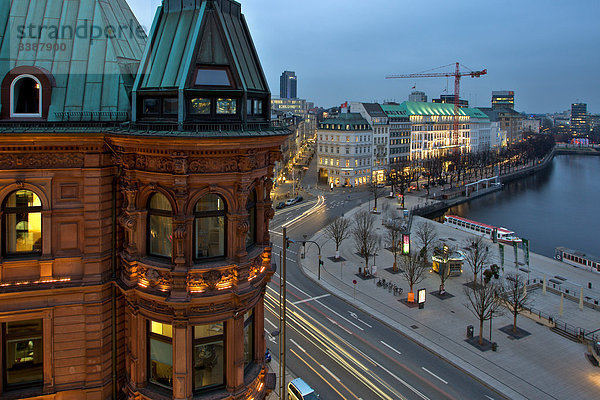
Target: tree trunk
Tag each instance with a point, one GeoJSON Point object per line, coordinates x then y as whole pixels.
{"type": "Point", "coordinates": [337, 252]}
{"type": "Point", "coordinates": [515, 320]}
{"type": "Point", "coordinates": [481, 332]}
{"type": "Point", "coordinates": [366, 266]}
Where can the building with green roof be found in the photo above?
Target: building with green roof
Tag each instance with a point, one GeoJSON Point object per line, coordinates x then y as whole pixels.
{"type": "Point", "coordinates": [135, 193]}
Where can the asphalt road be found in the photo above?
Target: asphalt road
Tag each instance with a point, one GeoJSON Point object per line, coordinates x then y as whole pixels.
{"type": "Point", "coordinates": [340, 351]}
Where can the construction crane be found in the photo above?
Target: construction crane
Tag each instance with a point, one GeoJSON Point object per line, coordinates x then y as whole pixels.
{"type": "Point", "coordinates": [457, 74]}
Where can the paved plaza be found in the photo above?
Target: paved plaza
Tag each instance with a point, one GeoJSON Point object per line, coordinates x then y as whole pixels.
{"type": "Point", "coordinates": [541, 365]}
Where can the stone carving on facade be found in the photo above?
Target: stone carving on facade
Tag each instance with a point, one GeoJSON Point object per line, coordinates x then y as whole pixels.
{"type": "Point", "coordinates": [154, 278]}
{"type": "Point", "coordinates": [180, 163]}
{"type": "Point", "coordinates": [41, 160]}
{"type": "Point", "coordinates": [211, 165]}
{"type": "Point", "coordinates": [211, 280]}
{"type": "Point", "coordinates": [155, 306]}
{"type": "Point", "coordinates": [243, 227]}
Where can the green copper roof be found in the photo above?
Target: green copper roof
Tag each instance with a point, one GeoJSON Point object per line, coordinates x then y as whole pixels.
{"type": "Point", "coordinates": [200, 32]}
{"type": "Point", "coordinates": [475, 113]}
{"type": "Point", "coordinates": [346, 118]}
{"type": "Point", "coordinates": [409, 108]}
{"type": "Point", "coordinates": [92, 48]}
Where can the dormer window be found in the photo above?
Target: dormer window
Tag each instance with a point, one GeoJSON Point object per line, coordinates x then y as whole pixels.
{"type": "Point", "coordinates": [26, 97]}
{"type": "Point", "coordinates": [213, 76]}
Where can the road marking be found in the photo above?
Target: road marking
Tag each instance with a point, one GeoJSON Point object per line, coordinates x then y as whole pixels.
{"type": "Point", "coordinates": [271, 338]}
{"type": "Point", "coordinates": [336, 324]}
{"type": "Point", "coordinates": [324, 306]}
{"type": "Point", "coordinates": [272, 324]}
{"type": "Point", "coordinates": [491, 398]}
{"type": "Point", "coordinates": [402, 381]}
{"type": "Point", "coordinates": [297, 345]}
{"type": "Point", "coordinates": [355, 316]}
{"type": "Point", "coordinates": [390, 347]}
{"type": "Point", "coordinates": [311, 299]}
{"type": "Point", "coordinates": [434, 375]}
{"type": "Point", "coordinates": [330, 373]}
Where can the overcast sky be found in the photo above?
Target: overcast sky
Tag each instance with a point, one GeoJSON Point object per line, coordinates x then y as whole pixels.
{"type": "Point", "coordinates": [547, 51]}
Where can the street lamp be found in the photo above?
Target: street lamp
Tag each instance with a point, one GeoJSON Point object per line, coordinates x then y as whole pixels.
{"type": "Point", "coordinates": [319, 247]}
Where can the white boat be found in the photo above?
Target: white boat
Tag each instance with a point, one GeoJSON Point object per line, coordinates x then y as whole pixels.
{"type": "Point", "coordinates": [502, 234]}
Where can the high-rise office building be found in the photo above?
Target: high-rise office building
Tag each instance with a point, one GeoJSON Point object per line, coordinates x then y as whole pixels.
{"type": "Point", "coordinates": [449, 99]}
{"type": "Point", "coordinates": [417, 96]}
{"type": "Point", "coordinates": [579, 119]}
{"type": "Point", "coordinates": [503, 99]}
{"type": "Point", "coordinates": [288, 85]}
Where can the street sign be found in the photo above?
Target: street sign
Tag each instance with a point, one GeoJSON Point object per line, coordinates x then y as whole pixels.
{"type": "Point", "coordinates": [421, 293]}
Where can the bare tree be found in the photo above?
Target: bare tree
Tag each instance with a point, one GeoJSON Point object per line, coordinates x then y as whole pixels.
{"type": "Point", "coordinates": [426, 234]}
{"type": "Point", "coordinates": [483, 303]}
{"type": "Point", "coordinates": [394, 229]}
{"type": "Point", "coordinates": [442, 253]}
{"type": "Point", "coordinates": [514, 296]}
{"type": "Point", "coordinates": [365, 238]}
{"type": "Point", "coordinates": [338, 231]}
{"type": "Point", "coordinates": [476, 255]}
{"type": "Point", "coordinates": [413, 268]}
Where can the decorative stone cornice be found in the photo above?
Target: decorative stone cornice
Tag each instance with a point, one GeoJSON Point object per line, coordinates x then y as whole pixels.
{"type": "Point", "coordinates": [36, 160]}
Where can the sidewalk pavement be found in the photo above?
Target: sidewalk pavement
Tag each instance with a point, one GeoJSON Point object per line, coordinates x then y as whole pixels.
{"type": "Point", "coordinates": [540, 366]}
{"type": "Point", "coordinates": [274, 367]}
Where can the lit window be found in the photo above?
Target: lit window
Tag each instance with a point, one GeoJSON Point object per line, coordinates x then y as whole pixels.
{"type": "Point", "coordinates": [26, 97]}
{"type": "Point", "coordinates": [210, 227]}
{"type": "Point", "coordinates": [226, 106]}
{"type": "Point", "coordinates": [200, 106]}
{"type": "Point", "coordinates": [23, 355]}
{"type": "Point", "coordinates": [160, 347]}
{"type": "Point", "coordinates": [23, 223]}
{"type": "Point", "coordinates": [212, 77]}
{"type": "Point", "coordinates": [209, 356]}
{"type": "Point", "coordinates": [160, 226]}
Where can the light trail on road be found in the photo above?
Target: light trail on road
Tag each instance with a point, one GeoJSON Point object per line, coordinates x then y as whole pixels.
{"type": "Point", "coordinates": [340, 351]}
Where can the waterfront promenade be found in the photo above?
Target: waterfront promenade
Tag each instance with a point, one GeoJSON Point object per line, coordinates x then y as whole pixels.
{"type": "Point", "coordinates": [541, 365]}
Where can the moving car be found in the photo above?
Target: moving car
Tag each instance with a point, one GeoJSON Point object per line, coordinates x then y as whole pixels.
{"type": "Point", "coordinates": [299, 390]}
{"type": "Point", "coordinates": [298, 199]}
{"type": "Point", "coordinates": [290, 202]}
{"type": "Point", "coordinates": [280, 205]}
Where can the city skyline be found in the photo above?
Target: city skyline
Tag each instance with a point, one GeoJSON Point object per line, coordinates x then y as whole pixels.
{"type": "Point", "coordinates": [538, 49]}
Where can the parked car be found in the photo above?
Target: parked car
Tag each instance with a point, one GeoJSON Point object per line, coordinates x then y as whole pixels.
{"type": "Point", "coordinates": [290, 202]}
{"type": "Point", "coordinates": [299, 390]}
{"type": "Point", "coordinates": [280, 205]}
{"type": "Point", "coordinates": [298, 199]}
{"type": "Point", "coordinates": [380, 185]}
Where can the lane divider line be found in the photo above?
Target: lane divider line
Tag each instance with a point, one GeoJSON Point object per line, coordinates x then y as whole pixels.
{"type": "Point", "coordinates": [311, 299]}
{"type": "Point", "coordinates": [297, 345]}
{"type": "Point", "coordinates": [434, 375]}
{"type": "Point", "coordinates": [390, 347]}
{"type": "Point", "coordinates": [330, 373]}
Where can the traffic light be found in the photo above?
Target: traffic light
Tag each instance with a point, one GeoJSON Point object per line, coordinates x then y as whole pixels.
{"type": "Point", "coordinates": [303, 244]}
{"type": "Point", "coordinates": [288, 241]}
{"type": "Point", "coordinates": [320, 263]}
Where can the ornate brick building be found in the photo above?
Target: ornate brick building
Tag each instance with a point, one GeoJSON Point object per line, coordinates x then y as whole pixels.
{"type": "Point", "coordinates": [135, 179]}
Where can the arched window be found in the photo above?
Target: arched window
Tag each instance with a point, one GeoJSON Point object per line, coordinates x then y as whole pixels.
{"type": "Point", "coordinates": [160, 226]}
{"type": "Point", "coordinates": [26, 97]}
{"type": "Point", "coordinates": [22, 223]}
{"type": "Point", "coordinates": [209, 230]}
{"type": "Point", "coordinates": [251, 209]}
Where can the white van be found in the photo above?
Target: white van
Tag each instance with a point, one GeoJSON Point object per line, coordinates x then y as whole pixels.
{"type": "Point", "coordinates": [299, 390]}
